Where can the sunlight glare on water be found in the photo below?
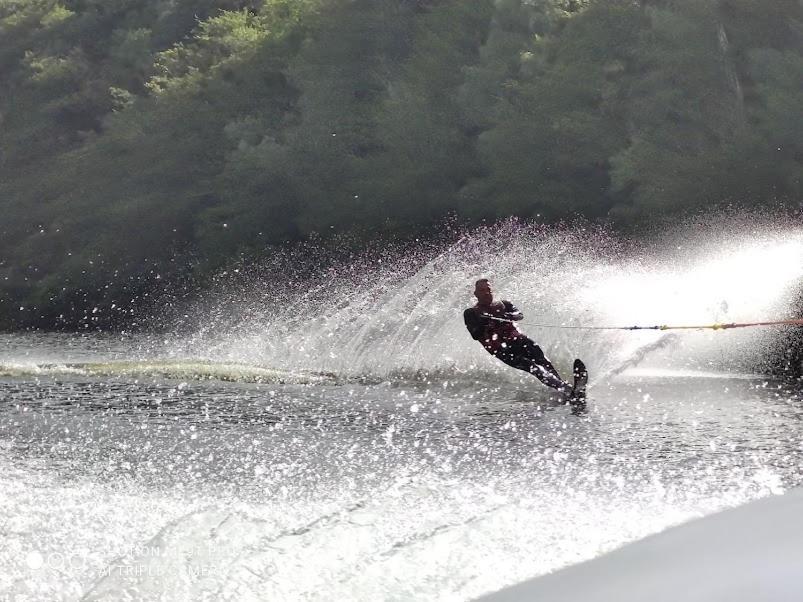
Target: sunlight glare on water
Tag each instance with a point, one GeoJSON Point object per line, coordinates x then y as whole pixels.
{"type": "Point", "coordinates": [404, 315]}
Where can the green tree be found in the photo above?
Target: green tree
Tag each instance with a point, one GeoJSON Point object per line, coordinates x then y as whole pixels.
{"type": "Point", "coordinates": [682, 115]}
{"type": "Point", "coordinates": [557, 123]}
{"type": "Point", "coordinates": [427, 143]}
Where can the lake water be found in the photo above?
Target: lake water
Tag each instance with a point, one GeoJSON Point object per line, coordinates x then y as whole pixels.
{"type": "Point", "coordinates": [346, 439]}
{"type": "Point", "coordinates": [138, 485]}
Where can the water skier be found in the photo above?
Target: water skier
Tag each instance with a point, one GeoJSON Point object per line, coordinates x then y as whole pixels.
{"type": "Point", "coordinates": [493, 324]}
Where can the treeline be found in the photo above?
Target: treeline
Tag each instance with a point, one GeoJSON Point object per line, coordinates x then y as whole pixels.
{"type": "Point", "coordinates": [145, 142]}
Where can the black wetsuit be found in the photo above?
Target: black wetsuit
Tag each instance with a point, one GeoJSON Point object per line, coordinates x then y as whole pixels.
{"type": "Point", "coordinates": [502, 339]}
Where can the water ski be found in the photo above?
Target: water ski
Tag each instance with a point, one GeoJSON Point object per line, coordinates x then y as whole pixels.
{"type": "Point", "coordinates": [578, 396]}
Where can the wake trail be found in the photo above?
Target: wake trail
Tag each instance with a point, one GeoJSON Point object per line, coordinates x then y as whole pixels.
{"type": "Point", "coordinates": [639, 356]}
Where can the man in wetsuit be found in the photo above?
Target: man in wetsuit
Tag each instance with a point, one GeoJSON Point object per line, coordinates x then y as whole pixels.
{"type": "Point", "coordinates": [492, 323]}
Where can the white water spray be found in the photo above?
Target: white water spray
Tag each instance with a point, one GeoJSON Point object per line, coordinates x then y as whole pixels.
{"type": "Point", "coordinates": [400, 320]}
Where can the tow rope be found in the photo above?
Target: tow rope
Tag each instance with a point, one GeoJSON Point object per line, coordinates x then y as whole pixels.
{"type": "Point", "coordinates": [728, 326]}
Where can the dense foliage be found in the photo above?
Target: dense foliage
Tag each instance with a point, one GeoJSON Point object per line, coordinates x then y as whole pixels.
{"type": "Point", "coordinates": [150, 141]}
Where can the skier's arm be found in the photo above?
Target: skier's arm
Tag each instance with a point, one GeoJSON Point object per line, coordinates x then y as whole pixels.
{"type": "Point", "coordinates": [475, 324]}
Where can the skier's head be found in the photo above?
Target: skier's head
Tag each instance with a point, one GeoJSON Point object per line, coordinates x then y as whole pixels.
{"type": "Point", "coordinates": [483, 292]}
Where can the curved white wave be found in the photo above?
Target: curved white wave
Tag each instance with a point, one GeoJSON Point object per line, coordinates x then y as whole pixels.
{"type": "Point", "coordinates": [163, 369]}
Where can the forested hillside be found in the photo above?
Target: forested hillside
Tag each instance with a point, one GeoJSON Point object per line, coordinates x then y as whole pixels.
{"type": "Point", "coordinates": [147, 141]}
